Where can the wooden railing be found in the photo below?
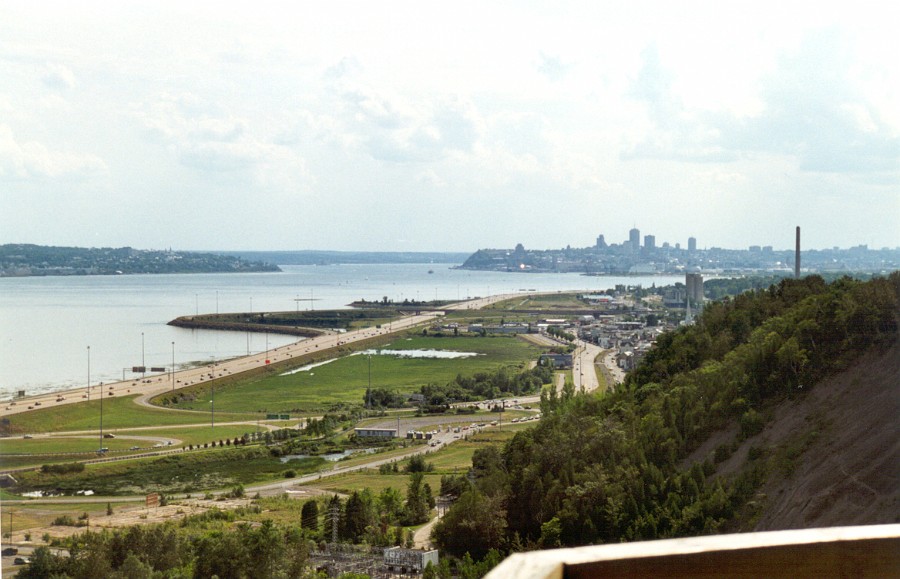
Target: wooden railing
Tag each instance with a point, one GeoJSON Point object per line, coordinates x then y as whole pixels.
{"type": "Point", "coordinates": [865, 551]}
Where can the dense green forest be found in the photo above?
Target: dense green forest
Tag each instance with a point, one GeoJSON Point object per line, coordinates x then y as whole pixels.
{"type": "Point", "coordinates": [611, 468]}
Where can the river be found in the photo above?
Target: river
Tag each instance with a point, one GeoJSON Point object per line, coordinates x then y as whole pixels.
{"type": "Point", "coordinates": [58, 331]}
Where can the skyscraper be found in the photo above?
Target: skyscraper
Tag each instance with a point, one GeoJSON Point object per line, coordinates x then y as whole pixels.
{"type": "Point", "coordinates": [634, 238]}
{"type": "Point", "coordinates": [649, 242]}
{"type": "Point", "coordinates": [692, 244]}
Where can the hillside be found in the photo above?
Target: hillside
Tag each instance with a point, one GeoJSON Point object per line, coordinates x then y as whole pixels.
{"type": "Point", "coordinates": [848, 472]}
{"type": "Point", "coordinates": [23, 260]}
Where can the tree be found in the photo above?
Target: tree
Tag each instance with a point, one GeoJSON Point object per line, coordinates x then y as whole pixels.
{"type": "Point", "coordinates": [416, 501]}
{"type": "Point", "coordinates": [475, 524]}
{"type": "Point", "coordinates": [309, 515]}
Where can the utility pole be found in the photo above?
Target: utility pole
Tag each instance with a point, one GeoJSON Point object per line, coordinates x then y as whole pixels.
{"type": "Point", "coordinates": [335, 516]}
{"type": "Point", "coordinates": [212, 387]}
{"type": "Point", "coordinates": [101, 416]}
{"type": "Point", "coordinates": [369, 391]}
{"type": "Point", "coordinates": [89, 374]}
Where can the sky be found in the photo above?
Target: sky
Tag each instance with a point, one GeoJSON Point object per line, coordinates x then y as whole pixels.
{"type": "Point", "coordinates": [448, 126]}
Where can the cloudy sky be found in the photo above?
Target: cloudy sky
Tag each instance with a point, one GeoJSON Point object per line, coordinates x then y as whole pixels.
{"type": "Point", "coordinates": [451, 126]}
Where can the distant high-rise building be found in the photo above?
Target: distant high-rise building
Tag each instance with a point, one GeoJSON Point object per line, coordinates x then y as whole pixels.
{"type": "Point", "coordinates": [649, 242]}
{"type": "Point", "coordinates": [601, 243]}
{"type": "Point", "coordinates": [692, 244]}
{"type": "Point", "coordinates": [694, 283]}
{"type": "Point", "coordinates": [634, 237]}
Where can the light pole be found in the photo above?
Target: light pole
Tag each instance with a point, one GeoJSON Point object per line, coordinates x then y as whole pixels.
{"type": "Point", "coordinates": [212, 387]}
{"type": "Point", "coordinates": [143, 364]}
{"type": "Point", "coordinates": [173, 366]}
{"type": "Point", "coordinates": [89, 374]}
{"type": "Point", "coordinates": [369, 391]}
{"type": "Point", "coordinates": [101, 417]}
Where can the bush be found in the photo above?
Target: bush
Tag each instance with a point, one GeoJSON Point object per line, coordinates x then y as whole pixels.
{"type": "Point", "coordinates": [752, 423]}
{"type": "Point", "coordinates": [291, 473]}
{"type": "Point", "coordinates": [64, 521]}
{"type": "Point", "coordinates": [64, 468]}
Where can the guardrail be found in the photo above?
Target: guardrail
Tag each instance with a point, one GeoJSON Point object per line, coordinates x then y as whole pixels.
{"type": "Point", "coordinates": [864, 551]}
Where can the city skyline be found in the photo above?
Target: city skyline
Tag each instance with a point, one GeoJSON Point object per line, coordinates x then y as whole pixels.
{"type": "Point", "coordinates": [434, 127]}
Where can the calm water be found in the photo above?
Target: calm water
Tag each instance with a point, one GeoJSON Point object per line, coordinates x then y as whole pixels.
{"type": "Point", "coordinates": [47, 323]}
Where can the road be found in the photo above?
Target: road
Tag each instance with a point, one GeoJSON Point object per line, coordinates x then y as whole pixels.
{"type": "Point", "coordinates": [584, 371]}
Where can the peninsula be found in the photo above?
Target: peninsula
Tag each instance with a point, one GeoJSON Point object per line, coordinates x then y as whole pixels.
{"type": "Point", "coordinates": [22, 260]}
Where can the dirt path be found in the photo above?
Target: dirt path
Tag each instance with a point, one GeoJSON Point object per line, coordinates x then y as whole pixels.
{"type": "Point", "coordinates": [422, 537]}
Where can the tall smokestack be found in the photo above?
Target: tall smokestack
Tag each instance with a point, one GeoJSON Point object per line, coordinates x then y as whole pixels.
{"type": "Point", "coordinates": [797, 256]}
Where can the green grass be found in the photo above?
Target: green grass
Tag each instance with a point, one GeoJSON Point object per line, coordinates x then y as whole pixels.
{"type": "Point", "coordinates": [345, 380]}
{"type": "Point", "coordinates": [36, 515]}
{"type": "Point", "coordinates": [357, 481]}
{"type": "Point", "coordinates": [61, 445]}
{"type": "Point", "coordinates": [188, 472]}
{"type": "Point", "coordinates": [119, 412]}
{"type": "Point", "coordinates": [557, 301]}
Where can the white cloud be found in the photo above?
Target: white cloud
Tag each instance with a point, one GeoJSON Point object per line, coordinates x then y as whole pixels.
{"type": "Point", "coordinates": [33, 160]}
{"type": "Point", "coordinates": [58, 77]}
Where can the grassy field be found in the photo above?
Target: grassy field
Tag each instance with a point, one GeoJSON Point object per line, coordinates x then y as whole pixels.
{"type": "Point", "coordinates": [120, 412]}
{"type": "Point", "coordinates": [357, 481]}
{"type": "Point", "coordinates": [552, 302]}
{"type": "Point", "coordinates": [63, 445]}
{"type": "Point", "coordinates": [190, 472]}
{"type": "Point", "coordinates": [31, 516]}
{"type": "Point", "coordinates": [345, 380]}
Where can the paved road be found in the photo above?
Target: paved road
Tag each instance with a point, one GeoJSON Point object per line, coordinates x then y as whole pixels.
{"type": "Point", "coordinates": [584, 371]}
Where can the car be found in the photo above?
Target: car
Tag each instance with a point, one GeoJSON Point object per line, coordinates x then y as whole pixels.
{"type": "Point", "coordinates": [10, 551]}
{"type": "Point", "coordinates": [135, 448]}
{"type": "Point", "coordinates": [20, 561]}
{"type": "Point", "coordinates": [27, 436]}
{"type": "Point", "coordinates": [109, 435]}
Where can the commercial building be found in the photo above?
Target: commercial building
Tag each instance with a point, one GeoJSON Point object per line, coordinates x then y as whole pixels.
{"type": "Point", "coordinates": [375, 432]}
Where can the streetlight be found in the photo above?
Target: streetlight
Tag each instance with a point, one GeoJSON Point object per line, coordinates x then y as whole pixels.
{"type": "Point", "coordinates": [89, 374]}
{"type": "Point", "coordinates": [212, 387]}
{"type": "Point", "coordinates": [173, 366]}
{"type": "Point", "coordinates": [369, 391]}
{"type": "Point", "coordinates": [101, 417]}
{"type": "Point", "coordinates": [143, 364]}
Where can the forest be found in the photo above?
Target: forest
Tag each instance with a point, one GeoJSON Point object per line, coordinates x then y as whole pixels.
{"type": "Point", "coordinates": [611, 468]}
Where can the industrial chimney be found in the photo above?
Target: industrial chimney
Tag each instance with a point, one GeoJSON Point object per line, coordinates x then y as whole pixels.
{"type": "Point", "coordinates": [797, 256]}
